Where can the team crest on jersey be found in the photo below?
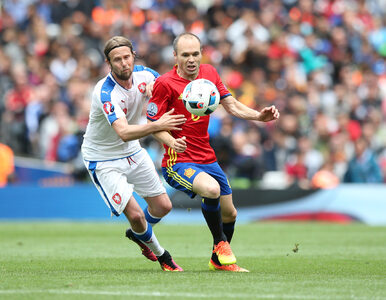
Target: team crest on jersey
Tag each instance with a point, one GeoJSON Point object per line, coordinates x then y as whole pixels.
{"type": "Point", "coordinates": [189, 172]}
{"type": "Point", "coordinates": [117, 198]}
{"type": "Point", "coordinates": [142, 87]}
{"type": "Point", "coordinates": [108, 107]}
{"type": "Point", "coordinates": [152, 109]}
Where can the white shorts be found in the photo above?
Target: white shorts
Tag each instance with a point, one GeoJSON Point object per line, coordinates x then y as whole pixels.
{"type": "Point", "coordinates": [117, 179]}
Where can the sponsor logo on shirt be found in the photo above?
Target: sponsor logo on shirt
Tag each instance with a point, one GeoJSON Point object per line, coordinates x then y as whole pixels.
{"type": "Point", "coordinates": [152, 109]}
{"type": "Point", "coordinates": [117, 198]}
{"type": "Point", "coordinates": [108, 108]}
{"type": "Point", "coordinates": [142, 87]}
{"type": "Point", "coordinates": [189, 172]}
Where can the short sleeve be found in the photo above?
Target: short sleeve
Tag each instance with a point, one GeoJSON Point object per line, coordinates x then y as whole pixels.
{"type": "Point", "coordinates": [222, 89]}
{"type": "Point", "coordinates": [111, 110]}
{"type": "Point", "coordinates": [138, 68]}
{"type": "Point", "coordinates": [158, 103]}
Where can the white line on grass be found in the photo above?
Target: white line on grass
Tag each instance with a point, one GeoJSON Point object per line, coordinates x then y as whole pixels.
{"type": "Point", "coordinates": [165, 294]}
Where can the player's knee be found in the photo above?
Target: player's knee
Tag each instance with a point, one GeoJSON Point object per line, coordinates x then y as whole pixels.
{"type": "Point", "coordinates": [137, 217]}
{"type": "Point", "coordinates": [212, 191]}
{"type": "Point", "coordinates": [206, 186]}
{"type": "Point", "coordinates": [165, 208]}
{"type": "Point", "coordinates": [160, 207]}
{"type": "Point", "coordinates": [229, 215]}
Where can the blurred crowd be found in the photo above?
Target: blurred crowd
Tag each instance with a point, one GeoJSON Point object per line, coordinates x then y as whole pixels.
{"type": "Point", "coordinates": [322, 63]}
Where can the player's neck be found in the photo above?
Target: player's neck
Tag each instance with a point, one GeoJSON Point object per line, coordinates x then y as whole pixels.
{"type": "Point", "coordinates": [127, 84]}
{"type": "Point", "coordinates": [190, 78]}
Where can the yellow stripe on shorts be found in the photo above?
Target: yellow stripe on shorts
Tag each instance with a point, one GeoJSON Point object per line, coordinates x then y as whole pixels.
{"type": "Point", "coordinates": [179, 179]}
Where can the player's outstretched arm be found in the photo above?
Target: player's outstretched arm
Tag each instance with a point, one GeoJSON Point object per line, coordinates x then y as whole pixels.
{"type": "Point", "coordinates": [129, 132]}
{"type": "Point", "coordinates": [238, 109]}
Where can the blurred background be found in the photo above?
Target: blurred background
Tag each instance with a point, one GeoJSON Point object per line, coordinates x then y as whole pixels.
{"type": "Point", "coordinates": [322, 63]}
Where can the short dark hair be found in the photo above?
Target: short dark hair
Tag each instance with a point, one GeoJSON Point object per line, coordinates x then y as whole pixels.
{"type": "Point", "coordinates": [115, 42]}
{"type": "Point", "coordinates": [175, 42]}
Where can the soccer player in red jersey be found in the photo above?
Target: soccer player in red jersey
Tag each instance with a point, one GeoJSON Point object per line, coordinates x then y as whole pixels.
{"type": "Point", "coordinates": [189, 163]}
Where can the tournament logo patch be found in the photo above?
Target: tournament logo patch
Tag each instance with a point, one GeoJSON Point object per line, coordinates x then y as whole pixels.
{"type": "Point", "coordinates": [142, 87]}
{"type": "Point", "coordinates": [117, 198]}
{"type": "Point", "coordinates": [152, 109]}
{"type": "Point", "coordinates": [108, 108]}
{"type": "Point", "coordinates": [189, 172]}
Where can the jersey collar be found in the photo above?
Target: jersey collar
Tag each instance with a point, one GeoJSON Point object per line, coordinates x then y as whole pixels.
{"type": "Point", "coordinates": [113, 79]}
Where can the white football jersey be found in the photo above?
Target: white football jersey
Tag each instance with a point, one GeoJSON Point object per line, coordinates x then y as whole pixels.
{"type": "Point", "coordinates": [111, 101]}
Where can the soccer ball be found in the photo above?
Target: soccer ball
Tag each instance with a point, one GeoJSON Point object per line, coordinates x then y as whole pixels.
{"type": "Point", "coordinates": [201, 97]}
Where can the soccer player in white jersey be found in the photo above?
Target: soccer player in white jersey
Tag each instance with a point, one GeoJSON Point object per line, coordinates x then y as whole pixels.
{"type": "Point", "coordinates": [115, 160]}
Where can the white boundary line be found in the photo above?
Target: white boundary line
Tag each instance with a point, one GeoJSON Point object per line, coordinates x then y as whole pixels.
{"type": "Point", "coordinates": [176, 294]}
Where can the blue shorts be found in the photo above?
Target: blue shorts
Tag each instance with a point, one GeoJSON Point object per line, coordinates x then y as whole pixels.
{"type": "Point", "coordinates": [181, 176]}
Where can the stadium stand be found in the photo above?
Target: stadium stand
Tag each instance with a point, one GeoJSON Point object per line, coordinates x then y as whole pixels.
{"type": "Point", "coordinates": [322, 63]}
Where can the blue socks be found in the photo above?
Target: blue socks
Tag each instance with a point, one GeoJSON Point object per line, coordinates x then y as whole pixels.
{"type": "Point", "coordinates": [149, 218]}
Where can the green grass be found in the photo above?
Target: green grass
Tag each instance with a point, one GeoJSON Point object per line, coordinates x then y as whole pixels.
{"type": "Point", "coordinates": [94, 260]}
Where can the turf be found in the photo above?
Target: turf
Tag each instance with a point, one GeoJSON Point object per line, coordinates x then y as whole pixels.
{"type": "Point", "coordinates": [96, 261]}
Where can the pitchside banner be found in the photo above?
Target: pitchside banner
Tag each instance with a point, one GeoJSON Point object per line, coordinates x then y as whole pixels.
{"type": "Point", "coordinates": [347, 203]}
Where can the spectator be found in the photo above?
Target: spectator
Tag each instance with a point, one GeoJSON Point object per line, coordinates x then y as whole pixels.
{"type": "Point", "coordinates": [325, 177]}
{"type": "Point", "coordinates": [7, 166]}
{"type": "Point", "coordinates": [322, 64]}
{"type": "Point", "coordinates": [296, 171]}
{"type": "Point", "coordinates": [363, 167]}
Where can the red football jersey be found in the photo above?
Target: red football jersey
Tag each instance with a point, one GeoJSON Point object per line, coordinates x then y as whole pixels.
{"type": "Point", "coordinates": [167, 94]}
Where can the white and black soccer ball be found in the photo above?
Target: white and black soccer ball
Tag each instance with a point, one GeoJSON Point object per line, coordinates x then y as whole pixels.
{"type": "Point", "coordinates": [201, 97]}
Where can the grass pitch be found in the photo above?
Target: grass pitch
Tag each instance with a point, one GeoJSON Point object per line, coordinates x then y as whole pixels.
{"type": "Point", "coordinates": [286, 261]}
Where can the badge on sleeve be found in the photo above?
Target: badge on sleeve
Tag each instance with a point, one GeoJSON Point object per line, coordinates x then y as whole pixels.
{"type": "Point", "coordinates": [152, 109]}
{"type": "Point", "coordinates": [108, 107]}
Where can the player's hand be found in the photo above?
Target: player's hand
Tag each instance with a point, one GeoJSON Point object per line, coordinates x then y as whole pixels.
{"type": "Point", "coordinates": [149, 89]}
{"type": "Point", "coordinates": [268, 114]}
{"type": "Point", "coordinates": [168, 121]}
{"type": "Point", "coordinates": [179, 145]}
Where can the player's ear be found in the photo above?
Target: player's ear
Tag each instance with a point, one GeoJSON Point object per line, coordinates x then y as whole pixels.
{"type": "Point", "coordinates": [135, 54]}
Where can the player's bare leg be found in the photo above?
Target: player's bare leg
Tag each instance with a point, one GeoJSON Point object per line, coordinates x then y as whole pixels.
{"type": "Point", "coordinates": [158, 207]}
{"type": "Point", "coordinates": [137, 220]}
{"type": "Point", "coordinates": [141, 232]}
{"type": "Point", "coordinates": [207, 187]}
{"type": "Point", "coordinates": [135, 215]}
